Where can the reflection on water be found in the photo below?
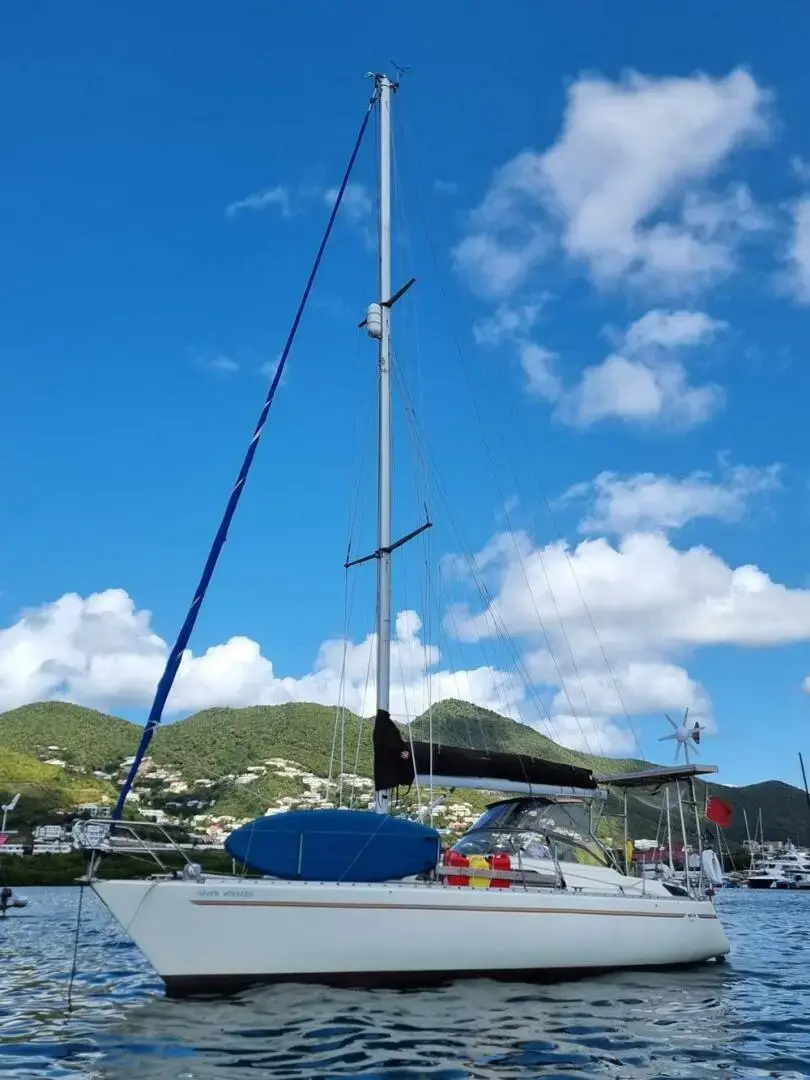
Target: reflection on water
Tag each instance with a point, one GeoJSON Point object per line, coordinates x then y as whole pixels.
{"type": "Point", "coordinates": [747, 1018]}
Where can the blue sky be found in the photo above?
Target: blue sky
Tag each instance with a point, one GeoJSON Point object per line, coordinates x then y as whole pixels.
{"type": "Point", "coordinates": [612, 253]}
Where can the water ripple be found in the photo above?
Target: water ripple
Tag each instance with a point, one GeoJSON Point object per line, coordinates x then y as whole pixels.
{"type": "Point", "coordinates": [747, 1018]}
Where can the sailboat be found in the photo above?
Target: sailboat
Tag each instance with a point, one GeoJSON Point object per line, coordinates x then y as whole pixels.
{"type": "Point", "coordinates": [367, 897]}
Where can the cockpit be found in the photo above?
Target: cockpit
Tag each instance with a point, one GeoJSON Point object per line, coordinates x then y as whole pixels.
{"type": "Point", "coordinates": [536, 828]}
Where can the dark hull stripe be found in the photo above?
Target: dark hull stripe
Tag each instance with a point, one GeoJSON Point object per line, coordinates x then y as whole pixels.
{"type": "Point", "coordinates": [322, 904]}
{"type": "Point", "coordinates": [221, 985]}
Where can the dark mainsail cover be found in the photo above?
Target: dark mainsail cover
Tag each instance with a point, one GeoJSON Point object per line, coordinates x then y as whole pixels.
{"type": "Point", "coordinates": [395, 766]}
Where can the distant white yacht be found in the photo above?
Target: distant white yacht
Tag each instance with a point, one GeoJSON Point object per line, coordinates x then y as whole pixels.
{"type": "Point", "coordinates": [790, 870]}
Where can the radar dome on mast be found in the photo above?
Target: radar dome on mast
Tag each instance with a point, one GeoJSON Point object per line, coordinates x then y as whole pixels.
{"type": "Point", "coordinates": [374, 321]}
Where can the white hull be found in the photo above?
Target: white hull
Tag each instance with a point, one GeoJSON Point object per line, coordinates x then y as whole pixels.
{"type": "Point", "coordinates": [766, 882]}
{"type": "Point", "coordinates": [223, 933]}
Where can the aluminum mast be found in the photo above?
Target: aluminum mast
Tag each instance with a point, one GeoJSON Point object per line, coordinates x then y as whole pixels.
{"type": "Point", "coordinates": [379, 326]}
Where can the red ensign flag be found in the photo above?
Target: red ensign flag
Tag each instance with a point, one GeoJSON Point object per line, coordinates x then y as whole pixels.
{"type": "Point", "coordinates": [719, 812]}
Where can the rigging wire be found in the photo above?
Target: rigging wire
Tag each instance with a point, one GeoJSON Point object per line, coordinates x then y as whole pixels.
{"type": "Point", "coordinates": [558, 534]}
{"type": "Point", "coordinates": [429, 667]}
{"type": "Point", "coordinates": [422, 463]}
{"type": "Point", "coordinates": [399, 648]}
{"type": "Point", "coordinates": [75, 959]}
{"type": "Point", "coordinates": [421, 474]}
{"type": "Point", "coordinates": [596, 634]}
{"type": "Point", "coordinates": [420, 452]}
{"type": "Point", "coordinates": [358, 459]}
{"type": "Point", "coordinates": [420, 490]}
{"type": "Point", "coordinates": [362, 720]}
{"type": "Point", "coordinates": [490, 608]}
{"type": "Point", "coordinates": [518, 659]}
{"type": "Point", "coordinates": [563, 684]}
{"type": "Point", "coordinates": [520, 559]}
{"type": "Point", "coordinates": [563, 546]}
{"type": "Point", "coordinates": [173, 663]}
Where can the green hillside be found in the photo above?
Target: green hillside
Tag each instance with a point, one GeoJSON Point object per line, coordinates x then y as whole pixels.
{"type": "Point", "coordinates": [785, 813]}
{"type": "Point", "coordinates": [45, 789]}
{"type": "Point", "coordinates": [217, 743]}
{"type": "Point", "coordinates": [81, 737]}
{"type": "Point", "coordinates": [458, 723]}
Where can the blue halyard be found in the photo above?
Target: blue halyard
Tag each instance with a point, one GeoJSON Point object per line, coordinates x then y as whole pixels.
{"type": "Point", "coordinates": [173, 663]}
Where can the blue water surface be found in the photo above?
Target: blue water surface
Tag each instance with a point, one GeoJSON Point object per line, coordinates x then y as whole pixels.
{"type": "Point", "coordinates": [749, 1017]}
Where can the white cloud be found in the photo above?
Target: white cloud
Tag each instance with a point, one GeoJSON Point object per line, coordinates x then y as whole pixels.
{"type": "Point", "coordinates": [652, 605]}
{"type": "Point", "coordinates": [260, 200]}
{"type": "Point", "coordinates": [718, 217]}
{"type": "Point", "coordinates": [645, 382]}
{"type": "Point", "coordinates": [671, 330]}
{"type": "Point", "coordinates": [593, 735]}
{"type": "Point", "coordinates": [638, 687]}
{"type": "Point", "coordinates": [538, 366]}
{"type": "Point", "coordinates": [623, 189]}
{"type": "Point", "coordinates": [509, 322]}
{"type": "Point", "coordinates": [639, 393]}
{"type": "Point", "coordinates": [798, 255]}
{"type": "Point", "coordinates": [628, 149]}
{"type": "Point", "coordinates": [506, 239]}
{"type": "Point", "coordinates": [492, 267]}
{"type": "Point", "coordinates": [225, 364]}
{"type": "Point", "coordinates": [356, 208]}
{"type": "Point", "coordinates": [590, 696]}
{"type": "Point", "coordinates": [101, 651]}
{"type": "Point", "coordinates": [646, 501]}
{"type": "Point", "coordinates": [646, 597]}
{"type": "Point", "coordinates": [642, 689]}
{"type": "Point", "coordinates": [356, 203]}
{"type": "Point", "coordinates": [269, 368]}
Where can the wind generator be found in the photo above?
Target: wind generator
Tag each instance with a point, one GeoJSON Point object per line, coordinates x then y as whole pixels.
{"type": "Point", "coordinates": [684, 736]}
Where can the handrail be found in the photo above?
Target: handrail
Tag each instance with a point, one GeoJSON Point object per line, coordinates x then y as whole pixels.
{"type": "Point", "coordinates": [134, 830]}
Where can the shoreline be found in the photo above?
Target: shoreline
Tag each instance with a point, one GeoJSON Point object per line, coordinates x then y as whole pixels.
{"type": "Point", "coordinates": [21, 871]}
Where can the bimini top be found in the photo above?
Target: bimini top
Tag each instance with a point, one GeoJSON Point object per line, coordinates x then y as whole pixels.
{"type": "Point", "coordinates": [654, 775]}
{"type": "Point", "coordinates": [398, 764]}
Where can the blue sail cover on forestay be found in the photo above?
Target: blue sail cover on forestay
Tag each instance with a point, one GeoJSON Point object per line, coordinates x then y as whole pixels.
{"type": "Point", "coordinates": [335, 845]}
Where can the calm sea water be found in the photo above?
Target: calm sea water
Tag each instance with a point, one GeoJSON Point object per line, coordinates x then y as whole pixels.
{"type": "Point", "coordinates": [747, 1018]}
